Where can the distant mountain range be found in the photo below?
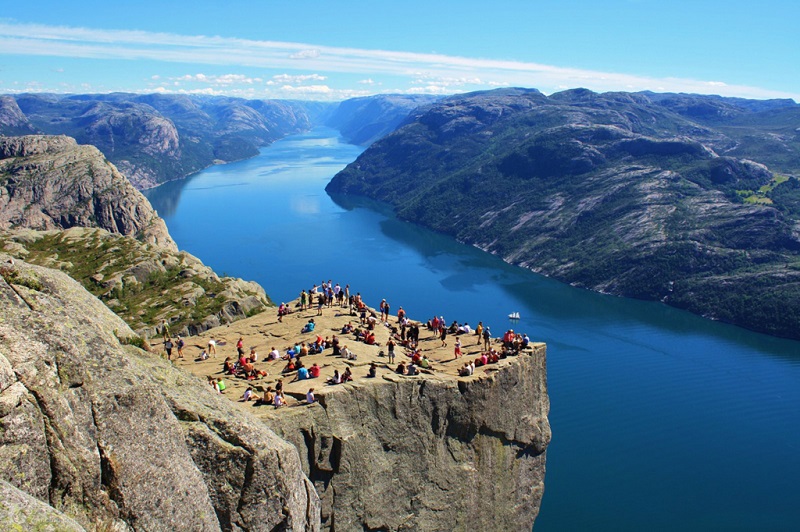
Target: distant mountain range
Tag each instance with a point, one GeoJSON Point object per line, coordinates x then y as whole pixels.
{"type": "Point", "coordinates": [691, 200]}
{"type": "Point", "coordinates": [154, 138]}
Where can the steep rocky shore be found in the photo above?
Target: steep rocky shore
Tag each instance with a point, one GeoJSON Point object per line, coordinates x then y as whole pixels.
{"type": "Point", "coordinates": [686, 199]}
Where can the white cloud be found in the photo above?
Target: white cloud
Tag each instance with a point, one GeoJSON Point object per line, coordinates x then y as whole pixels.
{"type": "Point", "coordinates": [437, 73]}
{"type": "Point", "coordinates": [311, 53]}
{"type": "Point", "coordinates": [302, 78]}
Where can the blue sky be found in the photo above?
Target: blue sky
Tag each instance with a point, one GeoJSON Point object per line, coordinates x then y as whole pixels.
{"type": "Point", "coordinates": [332, 50]}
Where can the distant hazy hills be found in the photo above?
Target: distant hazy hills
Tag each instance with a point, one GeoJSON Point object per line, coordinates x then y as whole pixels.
{"type": "Point", "coordinates": [155, 138]}
{"type": "Point", "coordinates": [693, 200]}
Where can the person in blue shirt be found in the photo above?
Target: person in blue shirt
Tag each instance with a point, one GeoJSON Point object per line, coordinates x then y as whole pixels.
{"type": "Point", "coordinates": [302, 373]}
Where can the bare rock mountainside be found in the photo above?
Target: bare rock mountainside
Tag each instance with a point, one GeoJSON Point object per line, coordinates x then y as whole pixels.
{"type": "Point", "coordinates": [691, 200]}
{"type": "Point", "coordinates": [65, 206]}
{"type": "Point", "coordinates": [51, 182]}
{"type": "Point", "coordinates": [114, 438]}
{"type": "Point", "coordinates": [118, 439]}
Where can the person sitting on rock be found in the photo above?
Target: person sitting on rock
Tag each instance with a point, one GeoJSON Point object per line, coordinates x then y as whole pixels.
{"type": "Point", "coordinates": [274, 354]}
{"type": "Point", "coordinates": [313, 371]}
{"type": "Point", "coordinates": [279, 400]}
{"type": "Point", "coordinates": [228, 366]}
{"type": "Point", "coordinates": [346, 353]}
{"type": "Point", "coordinates": [348, 328]}
{"type": "Point", "coordinates": [310, 396]}
{"type": "Point", "coordinates": [290, 367]}
{"type": "Point", "coordinates": [303, 350]}
{"type": "Point", "coordinates": [220, 386]}
{"type": "Point", "coordinates": [249, 395]}
{"type": "Point", "coordinates": [401, 368]}
{"type": "Point", "coordinates": [268, 397]}
{"type": "Point", "coordinates": [412, 369]}
{"type": "Point", "coordinates": [336, 379]}
{"type": "Point", "coordinates": [424, 362]}
{"type": "Point", "coordinates": [369, 339]}
{"type": "Point", "coordinates": [309, 327]}
{"type": "Point", "coordinates": [373, 371]}
{"type": "Point", "coordinates": [253, 358]}
{"type": "Point", "coordinates": [464, 371]}
{"type": "Point", "coordinates": [347, 375]}
{"type": "Point", "coordinates": [302, 373]}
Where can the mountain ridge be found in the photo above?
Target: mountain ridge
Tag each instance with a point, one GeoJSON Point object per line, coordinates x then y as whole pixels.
{"type": "Point", "coordinates": [612, 192]}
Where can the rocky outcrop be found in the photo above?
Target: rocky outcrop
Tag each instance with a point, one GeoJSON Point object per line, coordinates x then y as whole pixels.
{"type": "Point", "coordinates": [428, 453]}
{"type": "Point", "coordinates": [12, 120]}
{"type": "Point", "coordinates": [143, 283]}
{"type": "Point", "coordinates": [52, 182]}
{"type": "Point", "coordinates": [116, 438]}
{"type": "Point", "coordinates": [20, 511]}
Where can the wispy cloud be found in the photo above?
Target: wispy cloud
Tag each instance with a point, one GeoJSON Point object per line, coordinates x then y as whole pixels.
{"type": "Point", "coordinates": [436, 73]}
{"type": "Point", "coordinates": [302, 78]}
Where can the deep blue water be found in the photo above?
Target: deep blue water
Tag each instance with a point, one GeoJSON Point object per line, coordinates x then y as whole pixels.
{"type": "Point", "coordinates": [661, 420]}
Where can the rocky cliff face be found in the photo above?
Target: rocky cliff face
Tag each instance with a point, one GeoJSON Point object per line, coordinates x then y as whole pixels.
{"type": "Point", "coordinates": [428, 453]}
{"type": "Point", "coordinates": [51, 182]}
{"type": "Point", "coordinates": [12, 120]}
{"type": "Point", "coordinates": [115, 438]}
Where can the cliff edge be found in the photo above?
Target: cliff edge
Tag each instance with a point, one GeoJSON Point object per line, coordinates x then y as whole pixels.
{"type": "Point", "coordinates": [435, 451]}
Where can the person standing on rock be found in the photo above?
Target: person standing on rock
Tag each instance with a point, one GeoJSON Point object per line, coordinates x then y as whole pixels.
{"type": "Point", "coordinates": [479, 332]}
{"type": "Point", "coordinates": [458, 347]}
{"type": "Point", "coordinates": [165, 330]}
{"type": "Point", "coordinates": [168, 346]}
{"type": "Point", "coordinates": [212, 346]}
{"type": "Point", "coordinates": [487, 338]}
{"type": "Point", "coordinates": [180, 344]}
{"type": "Point", "coordinates": [303, 300]}
{"type": "Point", "coordinates": [390, 349]}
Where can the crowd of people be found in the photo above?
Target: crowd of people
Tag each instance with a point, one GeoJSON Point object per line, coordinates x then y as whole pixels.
{"type": "Point", "coordinates": [403, 338]}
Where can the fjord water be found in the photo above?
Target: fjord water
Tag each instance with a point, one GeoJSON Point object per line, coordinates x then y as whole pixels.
{"type": "Point", "coordinates": [661, 420]}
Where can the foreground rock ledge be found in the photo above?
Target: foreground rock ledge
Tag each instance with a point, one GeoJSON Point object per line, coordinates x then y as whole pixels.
{"type": "Point", "coordinates": [118, 439]}
{"type": "Point", "coordinates": [429, 452]}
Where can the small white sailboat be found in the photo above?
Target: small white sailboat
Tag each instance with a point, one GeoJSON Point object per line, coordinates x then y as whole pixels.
{"type": "Point", "coordinates": [513, 316]}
